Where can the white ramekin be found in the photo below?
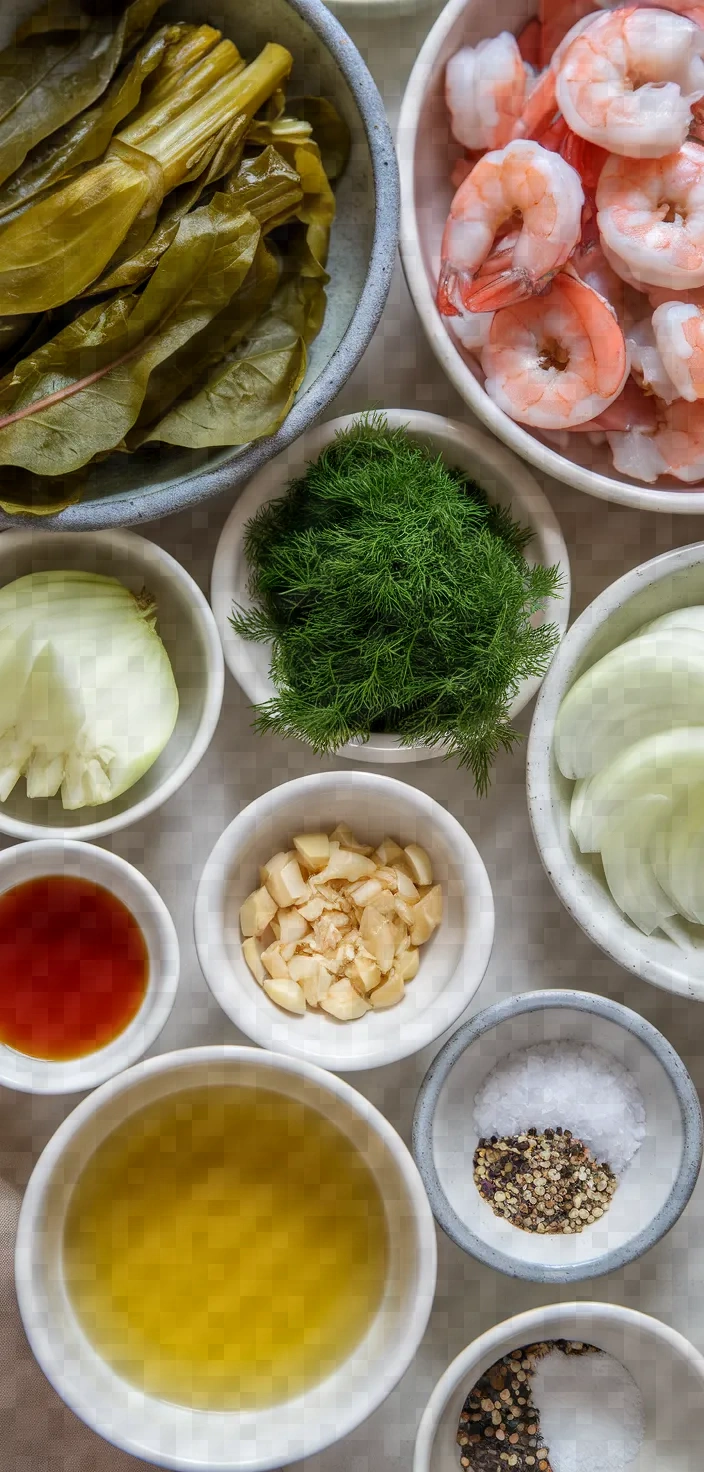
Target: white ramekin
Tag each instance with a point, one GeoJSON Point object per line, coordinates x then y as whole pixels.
{"type": "Point", "coordinates": [43, 857]}
{"type": "Point", "coordinates": [229, 1441]}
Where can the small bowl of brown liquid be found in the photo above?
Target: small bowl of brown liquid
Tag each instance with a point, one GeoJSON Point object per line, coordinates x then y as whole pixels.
{"type": "Point", "coordinates": [89, 965]}
{"type": "Point", "coordinates": [225, 1259]}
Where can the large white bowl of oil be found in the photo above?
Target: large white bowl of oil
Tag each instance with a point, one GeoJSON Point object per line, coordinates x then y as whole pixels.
{"type": "Point", "coordinates": [181, 1223]}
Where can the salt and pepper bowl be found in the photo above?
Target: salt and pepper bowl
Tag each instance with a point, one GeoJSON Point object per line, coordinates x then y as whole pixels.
{"type": "Point", "coordinates": [653, 1190]}
{"type": "Point", "coordinates": [667, 1369]}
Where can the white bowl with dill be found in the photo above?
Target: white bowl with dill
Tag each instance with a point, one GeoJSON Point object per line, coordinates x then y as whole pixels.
{"type": "Point", "coordinates": [506, 482]}
{"type": "Point", "coordinates": [667, 1369]}
{"type": "Point", "coordinates": [642, 1116]}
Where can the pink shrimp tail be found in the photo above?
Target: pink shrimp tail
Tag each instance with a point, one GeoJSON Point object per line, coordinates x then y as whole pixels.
{"type": "Point", "coordinates": [446, 290]}
{"type": "Point", "coordinates": [586, 158]}
{"type": "Point", "coordinates": [540, 110]}
{"type": "Point", "coordinates": [530, 42]}
{"type": "Point", "coordinates": [489, 293]}
{"type": "Point", "coordinates": [557, 17]}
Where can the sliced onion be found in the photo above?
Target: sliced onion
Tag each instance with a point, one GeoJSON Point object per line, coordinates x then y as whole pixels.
{"type": "Point", "coordinates": [625, 855]}
{"type": "Point", "coordinates": [88, 698]}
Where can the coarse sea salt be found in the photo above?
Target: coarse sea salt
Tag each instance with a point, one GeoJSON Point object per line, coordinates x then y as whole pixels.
{"type": "Point", "coordinates": [575, 1086]}
{"type": "Point", "coordinates": [591, 1412]}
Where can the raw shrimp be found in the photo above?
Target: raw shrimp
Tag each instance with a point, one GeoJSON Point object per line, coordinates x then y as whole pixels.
{"type": "Point", "coordinates": [676, 448]}
{"type": "Point", "coordinates": [471, 329]}
{"type": "Point", "coordinates": [557, 361]}
{"type": "Point", "coordinates": [485, 89]}
{"type": "Point", "coordinates": [679, 333]}
{"type": "Point", "coordinates": [649, 365]}
{"type": "Point", "coordinates": [522, 179]}
{"type": "Point", "coordinates": [629, 80]}
{"type": "Point", "coordinates": [651, 217]}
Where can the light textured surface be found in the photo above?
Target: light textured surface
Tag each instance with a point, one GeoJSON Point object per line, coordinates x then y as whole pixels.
{"type": "Point", "coordinates": [537, 944]}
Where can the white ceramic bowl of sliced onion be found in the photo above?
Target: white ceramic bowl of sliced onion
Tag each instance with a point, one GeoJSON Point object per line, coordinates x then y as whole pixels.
{"type": "Point", "coordinates": [452, 963]}
{"type": "Point", "coordinates": [503, 477]}
{"type": "Point", "coordinates": [672, 581]}
{"type": "Point", "coordinates": [187, 629]}
{"type": "Point", "coordinates": [426, 153]}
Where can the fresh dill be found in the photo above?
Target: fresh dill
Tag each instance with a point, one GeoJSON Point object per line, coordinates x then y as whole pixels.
{"type": "Point", "coordinates": [395, 598]}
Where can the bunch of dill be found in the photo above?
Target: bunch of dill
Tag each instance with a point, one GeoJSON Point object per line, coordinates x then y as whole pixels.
{"type": "Point", "coordinates": [395, 599]}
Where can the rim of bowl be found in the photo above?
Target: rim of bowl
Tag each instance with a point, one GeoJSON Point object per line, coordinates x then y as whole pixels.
{"type": "Point", "coordinates": [190, 490]}
{"type": "Point", "coordinates": [30, 1300]}
{"type": "Point", "coordinates": [618, 941]}
{"type": "Point", "coordinates": [133, 546]}
{"type": "Point", "coordinates": [213, 882]}
{"type": "Point", "coordinates": [532, 506]}
{"type": "Point", "coordinates": [687, 1098]}
{"type": "Point", "coordinates": [604, 487]}
{"type": "Point", "coordinates": [526, 1327]}
{"type": "Point", "coordinates": [162, 984]}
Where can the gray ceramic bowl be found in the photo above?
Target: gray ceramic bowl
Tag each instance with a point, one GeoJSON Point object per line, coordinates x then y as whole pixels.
{"type": "Point", "coordinates": [128, 489]}
{"type": "Point", "coordinates": [653, 1191]}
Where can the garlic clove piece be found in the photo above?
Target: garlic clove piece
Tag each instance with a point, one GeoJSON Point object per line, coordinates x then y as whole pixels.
{"type": "Point", "coordinates": [364, 974]}
{"type": "Point", "coordinates": [253, 957]}
{"type": "Point", "coordinates": [378, 937]}
{"type": "Point", "coordinates": [388, 995]}
{"type": "Point", "coordinates": [406, 965]}
{"type": "Point", "coordinates": [293, 926]}
{"type": "Point", "coordinates": [388, 851]}
{"type": "Point", "coordinates": [427, 915]}
{"type": "Point", "coordinates": [286, 992]}
{"type": "Point", "coordinates": [313, 849]}
{"type": "Point", "coordinates": [420, 863]}
{"type": "Point", "coordinates": [257, 912]}
{"type": "Point", "coordinates": [346, 839]}
{"type": "Point", "coordinates": [343, 1002]}
{"type": "Point", "coordinates": [347, 865]}
{"type": "Point", "coordinates": [274, 961]}
{"type": "Point", "coordinates": [405, 887]}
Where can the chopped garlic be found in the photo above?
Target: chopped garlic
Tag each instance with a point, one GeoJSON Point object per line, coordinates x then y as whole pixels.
{"type": "Point", "coordinates": [331, 927]}
{"type": "Point", "coordinates": [313, 849]}
{"type": "Point", "coordinates": [420, 864]}
{"type": "Point", "coordinates": [257, 912]}
{"type": "Point", "coordinates": [287, 993]}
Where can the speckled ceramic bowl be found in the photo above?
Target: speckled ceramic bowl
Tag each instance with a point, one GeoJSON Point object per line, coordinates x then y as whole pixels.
{"type": "Point", "coordinates": [654, 1189]}
{"type": "Point", "coordinates": [128, 489]}
{"type": "Point", "coordinates": [667, 1369]}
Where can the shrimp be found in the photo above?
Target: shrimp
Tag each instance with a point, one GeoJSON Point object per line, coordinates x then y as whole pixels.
{"type": "Point", "coordinates": [650, 214]}
{"type": "Point", "coordinates": [678, 329]}
{"type": "Point", "coordinates": [471, 329]}
{"type": "Point", "coordinates": [522, 179]}
{"type": "Point", "coordinates": [558, 361]}
{"type": "Point", "coordinates": [649, 364]}
{"type": "Point", "coordinates": [485, 89]}
{"type": "Point", "coordinates": [629, 80]}
{"type": "Point", "coordinates": [676, 447]}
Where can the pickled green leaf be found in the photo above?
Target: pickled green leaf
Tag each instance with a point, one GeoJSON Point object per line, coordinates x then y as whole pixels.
{"type": "Point", "coordinates": [84, 139]}
{"type": "Point", "coordinates": [330, 132]}
{"type": "Point", "coordinates": [50, 253]}
{"type": "Point", "coordinates": [188, 48]}
{"type": "Point", "coordinates": [268, 186]}
{"type": "Point", "coordinates": [192, 364]}
{"type": "Point", "coordinates": [251, 391]}
{"type": "Point", "coordinates": [291, 137]}
{"type": "Point", "coordinates": [80, 394]}
{"type": "Point", "coordinates": [136, 267]}
{"type": "Point", "coordinates": [58, 65]}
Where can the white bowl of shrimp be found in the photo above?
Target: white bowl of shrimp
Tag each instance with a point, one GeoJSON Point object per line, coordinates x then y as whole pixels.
{"type": "Point", "coordinates": [576, 274]}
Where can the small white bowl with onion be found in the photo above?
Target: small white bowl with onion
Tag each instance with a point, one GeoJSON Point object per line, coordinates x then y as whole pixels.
{"type": "Point", "coordinates": [506, 482]}
{"type": "Point", "coordinates": [451, 964]}
{"type": "Point", "coordinates": [616, 772]}
{"type": "Point", "coordinates": [105, 674]}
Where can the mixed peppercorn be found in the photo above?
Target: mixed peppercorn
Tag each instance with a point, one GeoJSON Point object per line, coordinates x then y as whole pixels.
{"type": "Point", "coordinates": [545, 1183]}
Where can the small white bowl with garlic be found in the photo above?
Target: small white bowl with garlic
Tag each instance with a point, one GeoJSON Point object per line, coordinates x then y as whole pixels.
{"type": "Point", "coordinates": [401, 1001]}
